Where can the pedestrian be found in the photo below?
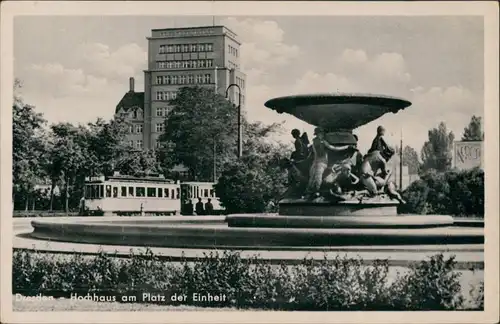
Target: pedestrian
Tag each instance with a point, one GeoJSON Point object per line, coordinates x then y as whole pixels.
{"type": "Point", "coordinates": [209, 208]}
{"type": "Point", "coordinates": [199, 207]}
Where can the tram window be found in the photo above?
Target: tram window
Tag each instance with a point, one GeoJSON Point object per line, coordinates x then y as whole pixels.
{"type": "Point", "coordinates": [184, 192]}
{"type": "Point", "coordinates": [87, 192]}
{"type": "Point", "coordinates": [172, 194]}
{"type": "Point", "coordinates": [151, 192]}
{"type": "Point", "coordinates": [131, 191]}
{"type": "Point", "coordinates": [160, 192]}
{"type": "Point", "coordinates": [124, 191]}
{"type": "Point", "coordinates": [92, 191]}
{"type": "Point", "coordinates": [108, 191]}
{"type": "Point", "coordinates": [205, 192]}
{"type": "Point", "coordinates": [115, 192]}
{"type": "Point", "coordinates": [140, 191]}
{"type": "Point", "coordinates": [178, 193]}
{"type": "Point", "coordinates": [166, 191]}
{"type": "Point", "coordinates": [212, 193]}
{"type": "Point", "coordinates": [101, 191]}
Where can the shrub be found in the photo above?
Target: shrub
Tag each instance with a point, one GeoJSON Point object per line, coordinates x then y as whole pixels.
{"type": "Point", "coordinates": [338, 284]}
{"type": "Point", "coordinates": [455, 192]}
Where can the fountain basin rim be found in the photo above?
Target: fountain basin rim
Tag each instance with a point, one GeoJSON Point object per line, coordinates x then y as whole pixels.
{"type": "Point", "coordinates": [281, 103]}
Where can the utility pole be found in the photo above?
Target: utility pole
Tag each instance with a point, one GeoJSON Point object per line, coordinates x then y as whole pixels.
{"type": "Point", "coordinates": [215, 163]}
{"type": "Point", "coordinates": [401, 162]}
{"type": "Point", "coordinates": [240, 142]}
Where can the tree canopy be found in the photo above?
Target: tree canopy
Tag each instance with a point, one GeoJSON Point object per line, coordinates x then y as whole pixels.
{"type": "Point", "coordinates": [437, 150]}
{"type": "Point", "coordinates": [473, 131]}
{"type": "Point", "coordinates": [410, 159]}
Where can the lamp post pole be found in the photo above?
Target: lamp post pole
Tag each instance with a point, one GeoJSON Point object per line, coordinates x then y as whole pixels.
{"type": "Point", "coordinates": [401, 162]}
{"type": "Point", "coordinates": [240, 143]}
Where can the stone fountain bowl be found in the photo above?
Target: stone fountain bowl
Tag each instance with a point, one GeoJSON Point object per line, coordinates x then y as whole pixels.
{"type": "Point", "coordinates": [337, 111]}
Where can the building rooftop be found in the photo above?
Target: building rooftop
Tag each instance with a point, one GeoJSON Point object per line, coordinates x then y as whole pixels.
{"type": "Point", "coordinates": [129, 100]}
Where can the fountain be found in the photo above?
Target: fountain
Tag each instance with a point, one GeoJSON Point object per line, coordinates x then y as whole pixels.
{"type": "Point", "coordinates": [318, 212]}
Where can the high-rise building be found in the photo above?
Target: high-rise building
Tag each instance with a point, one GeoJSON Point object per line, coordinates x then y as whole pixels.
{"type": "Point", "coordinates": [180, 57]}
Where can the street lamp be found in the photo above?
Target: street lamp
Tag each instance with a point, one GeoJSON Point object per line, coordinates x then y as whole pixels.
{"type": "Point", "coordinates": [240, 144]}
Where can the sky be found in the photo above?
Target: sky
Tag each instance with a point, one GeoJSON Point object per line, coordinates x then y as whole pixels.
{"type": "Point", "coordinates": [76, 69]}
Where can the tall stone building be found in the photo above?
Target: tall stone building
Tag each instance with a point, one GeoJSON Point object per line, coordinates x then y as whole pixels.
{"type": "Point", "coordinates": [179, 57]}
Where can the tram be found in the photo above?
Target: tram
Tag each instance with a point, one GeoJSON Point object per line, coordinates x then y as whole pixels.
{"type": "Point", "coordinates": [125, 195]}
{"type": "Point", "coordinates": [193, 192]}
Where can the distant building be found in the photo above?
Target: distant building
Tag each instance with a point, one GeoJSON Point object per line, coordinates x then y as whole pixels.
{"type": "Point", "coordinates": [407, 178]}
{"type": "Point", "coordinates": [179, 57]}
{"type": "Point", "coordinates": [468, 155]}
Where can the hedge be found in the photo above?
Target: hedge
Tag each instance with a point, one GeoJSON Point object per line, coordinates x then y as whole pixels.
{"type": "Point", "coordinates": [338, 284]}
{"type": "Point", "coordinates": [455, 192]}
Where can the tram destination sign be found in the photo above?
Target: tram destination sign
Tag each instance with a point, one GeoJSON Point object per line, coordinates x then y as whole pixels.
{"type": "Point", "coordinates": [467, 155]}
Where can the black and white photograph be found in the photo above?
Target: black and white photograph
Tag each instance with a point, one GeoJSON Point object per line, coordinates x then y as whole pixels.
{"type": "Point", "coordinates": [249, 162]}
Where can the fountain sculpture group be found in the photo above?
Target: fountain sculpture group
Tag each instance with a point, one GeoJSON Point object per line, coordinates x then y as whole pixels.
{"type": "Point", "coordinates": [337, 196]}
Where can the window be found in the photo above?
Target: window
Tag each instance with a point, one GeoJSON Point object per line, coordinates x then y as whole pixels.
{"type": "Point", "coordinates": [212, 193]}
{"type": "Point", "coordinates": [202, 63]}
{"type": "Point", "coordinates": [131, 191]}
{"type": "Point", "coordinates": [162, 65]}
{"type": "Point", "coordinates": [185, 48]}
{"type": "Point", "coordinates": [205, 192]}
{"type": "Point", "coordinates": [170, 65]}
{"type": "Point", "coordinates": [206, 78]}
{"type": "Point", "coordinates": [166, 79]}
{"type": "Point", "coordinates": [123, 191]}
{"type": "Point", "coordinates": [199, 78]}
{"type": "Point", "coordinates": [162, 49]}
{"type": "Point", "coordinates": [159, 80]}
{"type": "Point", "coordinates": [201, 48]}
{"type": "Point", "coordinates": [210, 63]}
{"type": "Point", "coordinates": [138, 129]}
{"type": "Point", "coordinates": [159, 127]}
{"type": "Point", "coordinates": [160, 111]}
{"type": "Point", "coordinates": [115, 192]}
{"type": "Point", "coordinates": [177, 48]}
{"type": "Point", "coordinates": [194, 64]}
{"type": "Point", "coordinates": [177, 64]}
{"type": "Point", "coordinates": [138, 114]}
{"type": "Point", "coordinates": [193, 47]}
{"type": "Point", "coordinates": [209, 47]}
{"type": "Point", "coordinates": [166, 191]}
{"type": "Point", "coordinates": [182, 79]}
{"type": "Point", "coordinates": [159, 95]}
{"type": "Point", "coordinates": [138, 144]}
{"type": "Point", "coordinates": [174, 79]}
{"type": "Point", "coordinates": [185, 64]}
{"type": "Point", "coordinates": [236, 52]}
{"type": "Point", "coordinates": [108, 191]}
{"type": "Point", "coordinates": [190, 79]}
{"type": "Point", "coordinates": [151, 192]}
{"type": "Point", "coordinates": [160, 193]}
{"type": "Point", "coordinates": [157, 143]}
{"type": "Point", "coordinates": [178, 193]}
{"type": "Point", "coordinates": [140, 191]}
{"type": "Point", "coordinates": [173, 95]}
{"type": "Point", "coordinates": [170, 48]}
{"type": "Point", "coordinates": [130, 129]}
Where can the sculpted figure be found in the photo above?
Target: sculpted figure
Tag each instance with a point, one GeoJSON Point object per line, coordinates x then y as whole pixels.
{"type": "Point", "coordinates": [346, 181]}
{"type": "Point", "coordinates": [320, 163]}
{"type": "Point", "coordinates": [301, 146]}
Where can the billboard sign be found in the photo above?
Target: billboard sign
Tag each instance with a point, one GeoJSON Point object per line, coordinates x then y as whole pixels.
{"type": "Point", "coordinates": [467, 155]}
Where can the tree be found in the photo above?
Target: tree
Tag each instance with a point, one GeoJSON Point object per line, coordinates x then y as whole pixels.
{"type": "Point", "coordinates": [199, 122]}
{"type": "Point", "coordinates": [28, 147]}
{"type": "Point", "coordinates": [256, 181]}
{"type": "Point", "coordinates": [473, 132]}
{"type": "Point", "coordinates": [437, 151]}
{"type": "Point", "coordinates": [410, 159]}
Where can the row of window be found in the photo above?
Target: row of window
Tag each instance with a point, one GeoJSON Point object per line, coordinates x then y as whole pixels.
{"type": "Point", "coordinates": [184, 79]}
{"type": "Point", "coordinates": [137, 144]}
{"type": "Point", "coordinates": [166, 95]}
{"type": "Point", "coordinates": [97, 191]}
{"type": "Point", "coordinates": [240, 82]}
{"type": "Point", "coordinates": [137, 129]}
{"type": "Point", "coordinates": [163, 111]}
{"type": "Point", "coordinates": [232, 66]}
{"type": "Point", "coordinates": [186, 48]}
{"type": "Point", "coordinates": [188, 64]}
{"type": "Point", "coordinates": [233, 51]}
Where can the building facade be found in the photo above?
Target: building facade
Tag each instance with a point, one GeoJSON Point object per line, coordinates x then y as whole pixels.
{"type": "Point", "coordinates": [180, 57]}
